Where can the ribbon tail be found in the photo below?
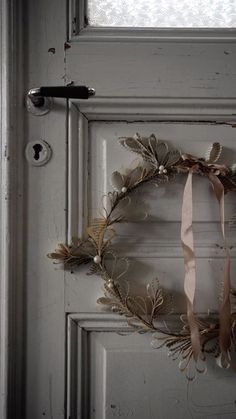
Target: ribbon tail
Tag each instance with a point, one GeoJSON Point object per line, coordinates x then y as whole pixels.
{"type": "Point", "coordinates": [190, 264]}
{"type": "Point", "coordinates": [225, 309]}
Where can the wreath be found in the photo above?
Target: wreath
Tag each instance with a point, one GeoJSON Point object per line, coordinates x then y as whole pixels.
{"type": "Point", "coordinates": [196, 337]}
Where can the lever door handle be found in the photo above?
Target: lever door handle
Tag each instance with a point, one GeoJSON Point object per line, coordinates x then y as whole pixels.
{"type": "Point", "coordinates": [36, 95]}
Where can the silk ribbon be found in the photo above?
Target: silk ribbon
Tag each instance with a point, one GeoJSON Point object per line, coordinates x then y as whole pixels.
{"type": "Point", "coordinates": [225, 309]}
{"type": "Point", "coordinates": [190, 264]}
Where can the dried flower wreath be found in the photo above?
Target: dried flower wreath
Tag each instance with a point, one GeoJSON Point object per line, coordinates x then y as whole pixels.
{"type": "Point", "coordinates": [196, 337]}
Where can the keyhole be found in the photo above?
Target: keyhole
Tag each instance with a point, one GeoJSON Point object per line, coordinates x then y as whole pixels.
{"type": "Point", "coordinates": [37, 150]}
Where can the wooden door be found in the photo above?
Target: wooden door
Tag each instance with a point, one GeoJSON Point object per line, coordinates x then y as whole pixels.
{"type": "Point", "coordinates": [179, 85]}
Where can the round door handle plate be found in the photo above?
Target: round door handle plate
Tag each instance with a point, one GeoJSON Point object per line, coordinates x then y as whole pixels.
{"type": "Point", "coordinates": [38, 152]}
{"type": "Point", "coordinates": [40, 108]}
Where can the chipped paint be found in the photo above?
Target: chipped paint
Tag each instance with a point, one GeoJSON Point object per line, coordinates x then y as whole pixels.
{"type": "Point", "coordinates": [52, 50]}
{"type": "Point", "coordinates": [67, 45]}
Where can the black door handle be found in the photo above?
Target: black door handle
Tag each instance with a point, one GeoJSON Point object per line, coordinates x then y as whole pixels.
{"type": "Point", "coordinates": [38, 94]}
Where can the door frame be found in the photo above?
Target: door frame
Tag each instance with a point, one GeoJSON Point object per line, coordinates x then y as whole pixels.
{"type": "Point", "coordinates": [12, 287]}
{"type": "Point", "coordinates": [11, 209]}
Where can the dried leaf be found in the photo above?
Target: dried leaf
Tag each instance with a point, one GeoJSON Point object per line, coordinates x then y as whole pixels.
{"type": "Point", "coordinates": [63, 248]}
{"type": "Point", "coordinates": [70, 255]}
{"type": "Point", "coordinates": [152, 288]}
{"type": "Point", "coordinates": [140, 305]}
{"type": "Point", "coordinates": [96, 231]}
{"type": "Point", "coordinates": [136, 324]}
{"type": "Point", "coordinates": [213, 153]}
{"type": "Point", "coordinates": [105, 301]}
{"type": "Point", "coordinates": [134, 176]}
{"type": "Point", "coordinates": [161, 152]}
{"type": "Point", "coordinates": [117, 181]}
{"type": "Point", "coordinates": [118, 266]}
{"type": "Point", "coordinates": [152, 142]}
{"type": "Point", "coordinates": [173, 157]}
{"type": "Point", "coordinates": [133, 144]}
{"type": "Point", "coordinates": [54, 255]}
{"type": "Point", "coordinates": [137, 145]}
{"type": "Point", "coordinates": [229, 182]}
{"type": "Point", "coordinates": [153, 151]}
{"type": "Point", "coordinates": [75, 241]}
{"type": "Point", "coordinates": [94, 269]}
{"type": "Point", "coordinates": [122, 205]}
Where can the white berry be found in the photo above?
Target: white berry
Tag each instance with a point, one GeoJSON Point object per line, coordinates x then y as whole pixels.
{"type": "Point", "coordinates": [97, 259]}
{"type": "Point", "coordinates": [164, 171]}
{"type": "Point", "coordinates": [110, 283]}
{"type": "Point", "coordinates": [161, 168]}
{"type": "Point", "coordinates": [124, 189]}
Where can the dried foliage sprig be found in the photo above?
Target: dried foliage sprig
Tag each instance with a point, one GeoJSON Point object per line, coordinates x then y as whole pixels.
{"type": "Point", "coordinates": [140, 311]}
{"type": "Point", "coordinates": [159, 164]}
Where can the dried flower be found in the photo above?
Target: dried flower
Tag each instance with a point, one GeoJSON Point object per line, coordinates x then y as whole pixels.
{"type": "Point", "coordinates": [153, 151]}
{"type": "Point", "coordinates": [72, 254]}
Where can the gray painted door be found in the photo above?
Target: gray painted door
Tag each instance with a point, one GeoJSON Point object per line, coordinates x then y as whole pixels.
{"type": "Point", "coordinates": [182, 88]}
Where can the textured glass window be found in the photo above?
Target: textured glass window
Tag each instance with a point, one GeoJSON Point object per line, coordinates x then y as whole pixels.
{"type": "Point", "coordinates": [162, 13]}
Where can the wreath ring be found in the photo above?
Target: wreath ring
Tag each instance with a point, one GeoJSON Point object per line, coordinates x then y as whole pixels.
{"type": "Point", "coordinates": [196, 337]}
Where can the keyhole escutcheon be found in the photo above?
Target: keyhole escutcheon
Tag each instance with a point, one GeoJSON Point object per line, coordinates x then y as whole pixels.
{"type": "Point", "coordinates": [38, 152]}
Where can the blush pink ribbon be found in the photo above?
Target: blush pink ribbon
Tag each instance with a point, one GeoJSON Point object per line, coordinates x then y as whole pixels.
{"type": "Point", "coordinates": [190, 165]}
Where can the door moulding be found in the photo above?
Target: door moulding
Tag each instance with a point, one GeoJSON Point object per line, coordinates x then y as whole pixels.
{"type": "Point", "coordinates": [78, 328]}
{"type": "Point", "coordinates": [205, 109]}
{"type": "Point", "coordinates": [11, 259]}
{"type": "Point", "coordinates": [162, 110]}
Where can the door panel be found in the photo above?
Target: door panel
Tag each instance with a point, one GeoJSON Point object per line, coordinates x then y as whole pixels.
{"type": "Point", "coordinates": [122, 376]}
{"type": "Point", "coordinates": [154, 69]}
{"type": "Point", "coordinates": [154, 245]}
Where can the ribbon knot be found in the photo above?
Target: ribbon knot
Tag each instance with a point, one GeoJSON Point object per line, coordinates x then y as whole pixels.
{"type": "Point", "coordinates": [201, 166]}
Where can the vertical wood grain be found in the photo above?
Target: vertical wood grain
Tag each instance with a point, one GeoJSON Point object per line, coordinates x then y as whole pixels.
{"type": "Point", "coordinates": [46, 217]}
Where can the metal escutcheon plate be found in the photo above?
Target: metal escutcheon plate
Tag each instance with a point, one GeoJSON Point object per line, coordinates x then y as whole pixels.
{"type": "Point", "coordinates": [38, 152]}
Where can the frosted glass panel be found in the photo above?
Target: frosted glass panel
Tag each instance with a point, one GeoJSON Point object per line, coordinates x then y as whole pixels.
{"type": "Point", "coordinates": [162, 13]}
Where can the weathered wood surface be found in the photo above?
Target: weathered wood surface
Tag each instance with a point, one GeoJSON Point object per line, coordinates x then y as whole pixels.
{"type": "Point", "coordinates": [171, 72]}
